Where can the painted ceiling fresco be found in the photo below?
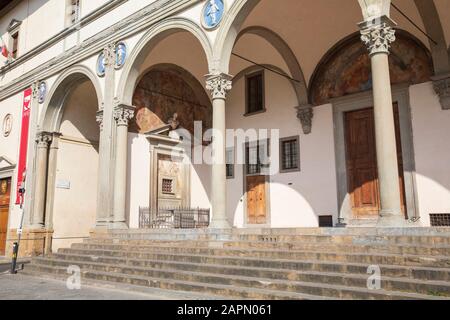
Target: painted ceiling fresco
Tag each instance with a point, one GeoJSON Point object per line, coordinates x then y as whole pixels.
{"type": "Point", "coordinates": [161, 94]}
{"type": "Point", "coordinates": [347, 70]}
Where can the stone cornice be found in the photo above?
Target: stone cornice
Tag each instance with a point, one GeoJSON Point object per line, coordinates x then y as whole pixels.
{"type": "Point", "coordinates": [127, 27]}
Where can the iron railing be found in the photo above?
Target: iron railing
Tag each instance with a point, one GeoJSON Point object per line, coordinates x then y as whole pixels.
{"type": "Point", "coordinates": [180, 218]}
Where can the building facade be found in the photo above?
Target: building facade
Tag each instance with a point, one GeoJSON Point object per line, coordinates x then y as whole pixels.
{"type": "Point", "coordinates": [267, 114]}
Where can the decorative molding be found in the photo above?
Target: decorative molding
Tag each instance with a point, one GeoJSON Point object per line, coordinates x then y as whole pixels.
{"type": "Point", "coordinates": [109, 53]}
{"type": "Point", "coordinates": [305, 114]}
{"type": "Point", "coordinates": [135, 23]}
{"type": "Point", "coordinates": [378, 34]}
{"type": "Point", "coordinates": [35, 90]}
{"type": "Point", "coordinates": [219, 85]}
{"type": "Point", "coordinates": [99, 119]}
{"type": "Point", "coordinates": [441, 85]}
{"type": "Point", "coordinates": [14, 25]}
{"type": "Point", "coordinates": [123, 114]}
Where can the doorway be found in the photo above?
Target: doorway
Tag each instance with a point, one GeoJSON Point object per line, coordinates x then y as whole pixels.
{"type": "Point", "coordinates": [5, 197]}
{"type": "Point", "coordinates": [256, 183]}
{"type": "Point", "coordinates": [361, 163]}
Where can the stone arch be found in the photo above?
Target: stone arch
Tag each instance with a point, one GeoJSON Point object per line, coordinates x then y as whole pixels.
{"type": "Point", "coordinates": [148, 42]}
{"type": "Point", "coordinates": [240, 10]}
{"type": "Point", "coordinates": [433, 26]}
{"type": "Point", "coordinates": [288, 56]}
{"type": "Point", "coordinates": [192, 86]}
{"type": "Point", "coordinates": [53, 108]}
{"type": "Point", "coordinates": [345, 68]}
{"type": "Point", "coordinates": [228, 33]}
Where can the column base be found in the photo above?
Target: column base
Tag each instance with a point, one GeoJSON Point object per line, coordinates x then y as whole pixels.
{"type": "Point", "coordinates": [391, 219]}
{"type": "Point", "coordinates": [220, 224]}
{"type": "Point", "coordinates": [118, 226]}
{"type": "Point", "coordinates": [33, 242]}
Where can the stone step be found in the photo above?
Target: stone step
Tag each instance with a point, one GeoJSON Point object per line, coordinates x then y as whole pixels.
{"type": "Point", "coordinates": [280, 271]}
{"type": "Point", "coordinates": [343, 291]}
{"type": "Point", "coordinates": [392, 279]}
{"type": "Point", "coordinates": [403, 249]}
{"type": "Point", "coordinates": [168, 284]}
{"type": "Point", "coordinates": [442, 238]}
{"type": "Point", "coordinates": [235, 257]}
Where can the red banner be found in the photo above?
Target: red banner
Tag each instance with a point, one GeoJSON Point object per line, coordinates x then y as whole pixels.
{"type": "Point", "coordinates": [26, 112]}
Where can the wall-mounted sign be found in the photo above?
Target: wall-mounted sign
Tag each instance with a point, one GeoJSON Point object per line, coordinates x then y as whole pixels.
{"type": "Point", "coordinates": [101, 69]}
{"type": "Point", "coordinates": [121, 54]}
{"type": "Point", "coordinates": [212, 13]}
{"type": "Point", "coordinates": [42, 92]}
{"type": "Point", "coordinates": [7, 125]}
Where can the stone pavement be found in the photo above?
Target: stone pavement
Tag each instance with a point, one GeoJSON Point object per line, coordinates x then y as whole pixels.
{"type": "Point", "coordinates": [21, 287]}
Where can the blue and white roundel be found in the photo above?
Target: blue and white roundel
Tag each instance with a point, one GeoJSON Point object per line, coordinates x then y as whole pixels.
{"type": "Point", "coordinates": [101, 65]}
{"type": "Point", "coordinates": [213, 13]}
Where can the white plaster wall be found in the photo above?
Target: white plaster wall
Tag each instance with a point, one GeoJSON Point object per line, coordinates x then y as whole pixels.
{"type": "Point", "coordinates": [9, 147]}
{"type": "Point", "coordinates": [296, 199]}
{"type": "Point", "coordinates": [431, 132]}
{"type": "Point", "coordinates": [75, 208]}
{"type": "Point", "coordinates": [138, 173]}
{"type": "Point", "coordinates": [200, 186]}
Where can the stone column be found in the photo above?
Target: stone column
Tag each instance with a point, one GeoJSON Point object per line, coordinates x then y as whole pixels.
{"type": "Point", "coordinates": [378, 34]}
{"type": "Point", "coordinates": [122, 115]}
{"type": "Point", "coordinates": [219, 85]}
{"type": "Point", "coordinates": [51, 185]}
{"type": "Point", "coordinates": [43, 140]}
{"type": "Point", "coordinates": [105, 117]}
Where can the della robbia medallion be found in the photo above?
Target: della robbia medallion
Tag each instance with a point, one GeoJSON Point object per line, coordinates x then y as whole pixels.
{"type": "Point", "coordinates": [213, 13]}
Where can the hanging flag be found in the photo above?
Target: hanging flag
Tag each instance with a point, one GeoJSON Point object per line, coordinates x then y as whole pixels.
{"type": "Point", "coordinates": [24, 139]}
{"type": "Point", "coordinates": [4, 50]}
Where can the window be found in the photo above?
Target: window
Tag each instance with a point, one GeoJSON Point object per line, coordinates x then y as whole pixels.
{"type": "Point", "coordinates": [325, 221]}
{"type": "Point", "coordinates": [15, 45]}
{"type": "Point", "coordinates": [257, 158]}
{"type": "Point", "coordinates": [230, 163]}
{"type": "Point", "coordinates": [167, 186]}
{"type": "Point", "coordinates": [255, 93]}
{"type": "Point", "coordinates": [289, 154]}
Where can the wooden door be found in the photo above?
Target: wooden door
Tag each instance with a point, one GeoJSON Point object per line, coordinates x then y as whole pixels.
{"type": "Point", "coordinates": [256, 200]}
{"type": "Point", "coordinates": [362, 172]}
{"type": "Point", "coordinates": [5, 196]}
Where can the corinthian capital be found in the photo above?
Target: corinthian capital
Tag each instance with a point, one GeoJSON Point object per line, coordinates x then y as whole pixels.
{"type": "Point", "coordinates": [219, 85]}
{"type": "Point", "coordinates": [43, 139]}
{"type": "Point", "coordinates": [378, 34]}
{"type": "Point", "coordinates": [123, 114]}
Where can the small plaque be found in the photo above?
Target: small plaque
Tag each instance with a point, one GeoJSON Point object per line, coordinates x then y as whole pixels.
{"type": "Point", "coordinates": [63, 184]}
